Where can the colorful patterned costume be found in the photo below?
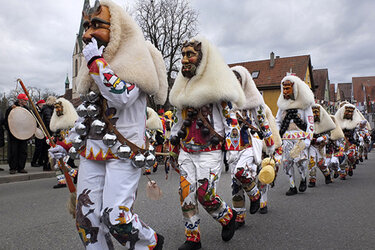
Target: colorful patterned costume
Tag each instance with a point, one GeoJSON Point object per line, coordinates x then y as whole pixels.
{"type": "Point", "coordinates": [198, 143]}
{"type": "Point", "coordinates": [295, 121]}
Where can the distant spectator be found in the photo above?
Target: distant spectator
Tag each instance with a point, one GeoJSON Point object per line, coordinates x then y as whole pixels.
{"type": "Point", "coordinates": [47, 111]}
{"type": "Point", "coordinates": [17, 149]}
{"type": "Point", "coordinates": [37, 160]}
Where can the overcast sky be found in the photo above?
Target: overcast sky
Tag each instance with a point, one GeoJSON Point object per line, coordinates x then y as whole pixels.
{"type": "Point", "coordinates": [37, 37]}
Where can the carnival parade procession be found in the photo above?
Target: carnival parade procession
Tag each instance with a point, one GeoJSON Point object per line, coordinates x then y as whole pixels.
{"type": "Point", "coordinates": [198, 155]}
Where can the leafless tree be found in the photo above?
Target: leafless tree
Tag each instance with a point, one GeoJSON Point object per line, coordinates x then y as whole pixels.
{"type": "Point", "coordinates": [167, 24]}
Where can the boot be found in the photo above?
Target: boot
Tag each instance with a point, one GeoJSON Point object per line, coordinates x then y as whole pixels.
{"type": "Point", "coordinates": [342, 177]}
{"type": "Point", "coordinates": [366, 157]}
{"type": "Point", "coordinates": [328, 179]}
{"type": "Point", "coordinates": [291, 191]}
{"type": "Point", "coordinates": [356, 161]}
{"type": "Point", "coordinates": [350, 172]}
{"type": "Point", "coordinates": [361, 159]}
{"type": "Point", "coordinates": [254, 206]}
{"type": "Point", "coordinates": [159, 244]}
{"type": "Point", "coordinates": [263, 210]}
{"type": "Point", "coordinates": [239, 224]}
{"type": "Point", "coordinates": [190, 245]}
{"type": "Point", "coordinates": [302, 185]}
{"type": "Point", "coordinates": [228, 230]}
{"type": "Point", "coordinates": [335, 175]}
{"type": "Point", "coordinates": [354, 166]}
{"type": "Point", "coordinates": [311, 184]}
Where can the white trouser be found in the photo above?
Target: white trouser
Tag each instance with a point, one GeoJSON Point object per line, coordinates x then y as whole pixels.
{"type": "Point", "coordinates": [288, 162]}
{"type": "Point", "coordinates": [106, 192]}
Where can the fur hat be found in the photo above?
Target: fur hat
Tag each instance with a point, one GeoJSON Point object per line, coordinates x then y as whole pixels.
{"type": "Point", "coordinates": [67, 120]}
{"type": "Point", "coordinates": [303, 95]}
{"type": "Point", "coordinates": [345, 123]}
{"type": "Point", "coordinates": [130, 57]}
{"type": "Point", "coordinates": [252, 94]}
{"type": "Point", "coordinates": [337, 133]}
{"type": "Point", "coordinates": [153, 121]}
{"type": "Point", "coordinates": [325, 124]}
{"type": "Point", "coordinates": [51, 100]}
{"type": "Point", "coordinates": [272, 123]}
{"type": "Point", "coordinates": [213, 82]}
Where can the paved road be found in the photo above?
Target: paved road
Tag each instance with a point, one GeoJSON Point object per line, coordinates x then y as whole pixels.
{"type": "Point", "coordinates": [335, 216]}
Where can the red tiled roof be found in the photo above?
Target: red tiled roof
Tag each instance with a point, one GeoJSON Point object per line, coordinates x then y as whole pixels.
{"type": "Point", "coordinates": [320, 80]}
{"type": "Point", "coordinates": [272, 76]}
{"type": "Point", "coordinates": [361, 85]}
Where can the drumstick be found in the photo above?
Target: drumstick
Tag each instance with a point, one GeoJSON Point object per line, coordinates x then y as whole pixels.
{"type": "Point", "coordinates": [62, 166]}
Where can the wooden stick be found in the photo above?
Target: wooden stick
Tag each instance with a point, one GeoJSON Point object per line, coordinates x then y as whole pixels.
{"type": "Point", "coordinates": [62, 166]}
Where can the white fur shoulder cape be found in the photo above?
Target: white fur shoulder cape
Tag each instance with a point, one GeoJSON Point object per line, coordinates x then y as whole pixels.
{"type": "Point", "coordinates": [130, 57]}
{"type": "Point", "coordinates": [213, 82]}
{"type": "Point", "coordinates": [153, 121]}
{"type": "Point", "coordinates": [346, 123]}
{"type": "Point", "coordinates": [303, 95]}
{"type": "Point", "coordinates": [326, 124]}
{"type": "Point", "coordinates": [337, 133]}
{"type": "Point", "coordinates": [67, 120]}
{"type": "Point", "coordinates": [252, 94]}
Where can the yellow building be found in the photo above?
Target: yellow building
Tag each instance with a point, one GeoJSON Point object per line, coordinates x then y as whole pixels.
{"type": "Point", "coordinates": [267, 74]}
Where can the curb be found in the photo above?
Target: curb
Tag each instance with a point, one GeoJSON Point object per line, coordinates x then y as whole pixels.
{"type": "Point", "coordinates": [26, 177]}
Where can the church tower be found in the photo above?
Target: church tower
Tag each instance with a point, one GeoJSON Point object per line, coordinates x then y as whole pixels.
{"type": "Point", "coordinates": [78, 58]}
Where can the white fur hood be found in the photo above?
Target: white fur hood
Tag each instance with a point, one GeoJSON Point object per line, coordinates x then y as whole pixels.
{"type": "Point", "coordinates": [337, 133]}
{"type": "Point", "coordinates": [252, 94]}
{"type": "Point", "coordinates": [345, 123]}
{"type": "Point", "coordinates": [303, 95]}
{"type": "Point", "coordinates": [67, 120]}
{"type": "Point", "coordinates": [153, 121]}
{"type": "Point", "coordinates": [326, 124]}
{"type": "Point", "coordinates": [213, 82]}
{"type": "Point", "coordinates": [130, 57]}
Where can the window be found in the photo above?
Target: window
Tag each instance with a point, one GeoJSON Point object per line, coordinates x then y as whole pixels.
{"type": "Point", "coordinates": [255, 74]}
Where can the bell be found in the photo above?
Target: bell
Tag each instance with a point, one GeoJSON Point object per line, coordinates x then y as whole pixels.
{"type": "Point", "coordinates": [81, 129]}
{"type": "Point", "coordinates": [83, 98]}
{"type": "Point", "coordinates": [73, 153]}
{"type": "Point", "coordinates": [138, 161]}
{"type": "Point", "coordinates": [175, 140]}
{"type": "Point", "coordinates": [205, 131]}
{"type": "Point", "coordinates": [187, 123]}
{"type": "Point", "coordinates": [150, 159]}
{"type": "Point", "coordinates": [199, 123]}
{"type": "Point", "coordinates": [190, 114]}
{"type": "Point", "coordinates": [151, 149]}
{"type": "Point", "coordinates": [92, 97]}
{"type": "Point", "coordinates": [93, 110]}
{"type": "Point", "coordinates": [181, 133]}
{"type": "Point", "coordinates": [97, 126]}
{"type": "Point", "coordinates": [77, 142]}
{"type": "Point", "coordinates": [215, 140]}
{"type": "Point", "coordinates": [124, 151]}
{"type": "Point", "coordinates": [195, 112]}
{"type": "Point", "coordinates": [82, 110]}
{"type": "Point", "coordinates": [109, 140]}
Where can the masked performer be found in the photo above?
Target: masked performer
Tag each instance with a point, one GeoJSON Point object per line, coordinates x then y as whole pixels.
{"type": "Point", "coordinates": [323, 124]}
{"type": "Point", "coordinates": [203, 93]}
{"type": "Point", "coordinates": [295, 121]}
{"type": "Point", "coordinates": [244, 163]}
{"type": "Point", "coordinates": [348, 118]}
{"type": "Point", "coordinates": [364, 139]}
{"type": "Point", "coordinates": [63, 119]}
{"type": "Point", "coordinates": [335, 150]}
{"type": "Point", "coordinates": [264, 187]}
{"type": "Point", "coordinates": [121, 71]}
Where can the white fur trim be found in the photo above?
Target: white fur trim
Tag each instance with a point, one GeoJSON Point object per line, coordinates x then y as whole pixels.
{"type": "Point", "coordinates": [213, 82]}
{"type": "Point", "coordinates": [345, 123]}
{"type": "Point", "coordinates": [272, 123]}
{"type": "Point", "coordinates": [161, 96]}
{"type": "Point", "coordinates": [303, 95]}
{"type": "Point", "coordinates": [337, 133]}
{"type": "Point", "coordinates": [51, 100]}
{"type": "Point", "coordinates": [67, 120]}
{"type": "Point", "coordinates": [252, 94]}
{"type": "Point", "coordinates": [126, 53]}
{"type": "Point", "coordinates": [326, 124]}
{"type": "Point", "coordinates": [153, 121]}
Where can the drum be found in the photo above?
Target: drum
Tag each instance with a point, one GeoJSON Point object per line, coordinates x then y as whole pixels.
{"type": "Point", "coordinates": [22, 124]}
